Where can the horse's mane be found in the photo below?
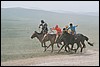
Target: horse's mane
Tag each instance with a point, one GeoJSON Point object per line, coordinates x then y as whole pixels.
{"type": "Point", "coordinates": [65, 33]}
{"type": "Point", "coordinates": [38, 32]}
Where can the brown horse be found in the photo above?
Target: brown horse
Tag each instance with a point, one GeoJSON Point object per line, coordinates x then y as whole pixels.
{"type": "Point", "coordinates": [48, 37]}
{"type": "Point", "coordinates": [51, 38]}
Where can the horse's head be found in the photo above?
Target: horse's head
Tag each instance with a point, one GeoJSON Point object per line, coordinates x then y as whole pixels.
{"type": "Point", "coordinates": [34, 35]}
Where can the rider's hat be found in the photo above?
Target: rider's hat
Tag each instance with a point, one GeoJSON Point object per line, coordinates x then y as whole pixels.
{"type": "Point", "coordinates": [42, 21]}
{"type": "Point", "coordinates": [56, 26]}
{"type": "Point", "coordinates": [71, 24]}
{"type": "Point", "coordinates": [64, 29]}
{"type": "Point", "coordinates": [66, 26]}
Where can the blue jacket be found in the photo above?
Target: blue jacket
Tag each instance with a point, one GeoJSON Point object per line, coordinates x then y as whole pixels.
{"type": "Point", "coordinates": [72, 28]}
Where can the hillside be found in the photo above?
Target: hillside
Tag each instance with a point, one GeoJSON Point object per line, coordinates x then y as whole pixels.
{"type": "Point", "coordinates": [37, 15]}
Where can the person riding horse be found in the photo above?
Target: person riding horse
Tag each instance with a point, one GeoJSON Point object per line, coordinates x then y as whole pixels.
{"type": "Point", "coordinates": [44, 27]}
{"type": "Point", "coordinates": [58, 30]}
{"type": "Point", "coordinates": [72, 28]}
{"type": "Point", "coordinates": [70, 39]}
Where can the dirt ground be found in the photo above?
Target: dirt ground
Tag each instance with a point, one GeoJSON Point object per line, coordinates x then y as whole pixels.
{"type": "Point", "coordinates": [89, 58]}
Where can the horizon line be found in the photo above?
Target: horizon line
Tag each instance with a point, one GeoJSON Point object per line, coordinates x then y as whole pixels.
{"type": "Point", "coordinates": [47, 10]}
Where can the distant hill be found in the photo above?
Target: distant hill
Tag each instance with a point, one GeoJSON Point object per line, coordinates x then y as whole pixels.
{"type": "Point", "coordinates": [50, 17]}
{"type": "Point", "coordinates": [92, 13]}
{"type": "Point", "coordinates": [78, 13]}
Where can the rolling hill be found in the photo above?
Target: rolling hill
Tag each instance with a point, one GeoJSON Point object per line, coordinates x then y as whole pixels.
{"type": "Point", "coordinates": [37, 15]}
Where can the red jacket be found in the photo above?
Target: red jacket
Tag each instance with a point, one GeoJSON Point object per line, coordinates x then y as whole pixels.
{"type": "Point", "coordinates": [57, 29]}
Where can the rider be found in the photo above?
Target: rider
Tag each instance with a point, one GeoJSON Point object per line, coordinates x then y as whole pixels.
{"type": "Point", "coordinates": [58, 30]}
{"type": "Point", "coordinates": [72, 28]}
{"type": "Point", "coordinates": [44, 27]}
{"type": "Point", "coordinates": [66, 29]}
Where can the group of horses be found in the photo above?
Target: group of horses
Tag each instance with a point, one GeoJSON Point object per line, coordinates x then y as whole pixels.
{"type": "Point", "coordinates": [65, 39]}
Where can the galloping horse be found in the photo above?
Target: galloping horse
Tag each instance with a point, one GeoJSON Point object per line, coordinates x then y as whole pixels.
{"type": "Point", "coordinates": [71, 39]}
{"type": "Point", "coordinates": [39, 37]}
{"type": "Point", "coordinates": [48, 37]}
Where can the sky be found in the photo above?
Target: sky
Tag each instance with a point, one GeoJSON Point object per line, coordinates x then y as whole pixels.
{"type": "Point", "coordinates": [74, 6]}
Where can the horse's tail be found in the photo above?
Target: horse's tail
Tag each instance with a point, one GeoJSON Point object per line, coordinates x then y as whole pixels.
{"type": "Point", "coordinates": [86, 38]}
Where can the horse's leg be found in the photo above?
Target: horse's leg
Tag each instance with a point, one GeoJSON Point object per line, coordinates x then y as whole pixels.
{"type": "Point", "coordinates": [52, 47]}
{"type": "Point", "coordinates": [68, 48]}
{"type": "Point", "coordinates": [65, 48]}
{"type": "Point", "coordinates": [48, 46]}
{"type": "Point", "coordinates": [44, 46]}
{"type": "Point", "coordinates": [78, 44]}
{"type": "Point", "coordinates": [58, 45]}
{"type": "Point", "coordinates": [84, 46]}
{"type": "Point", "coordinates": [61, 48]}
{"type": "Point", "coordinates": [72, 46]}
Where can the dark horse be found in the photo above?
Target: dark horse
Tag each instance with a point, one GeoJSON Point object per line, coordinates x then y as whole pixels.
{"type": "Point", "coordinates": [71, 39]}
{"type": "Point", "coordinates": [48, 37]}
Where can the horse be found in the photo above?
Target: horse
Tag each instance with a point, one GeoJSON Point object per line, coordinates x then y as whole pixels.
{"type": "Point", "coordinates": [43, 40]}
{"type": "Point", "coordinates": [71, 39]}
{"type": "Point", "coordinates": [82, 38]}
{"type": "Point", "coordinates": [39, 36]}
{"type": "Point", "coordinates": [51, 38]}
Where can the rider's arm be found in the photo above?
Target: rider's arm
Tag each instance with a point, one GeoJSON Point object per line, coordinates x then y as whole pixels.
{"type": "Point", "coordinates": [53, 28]}
{"type": "Point", "coordinates": [76, 25]}
{"type": "Point", "coordinates": [40, 25]}
{"type": "Point", "coordinates": [68, 28]}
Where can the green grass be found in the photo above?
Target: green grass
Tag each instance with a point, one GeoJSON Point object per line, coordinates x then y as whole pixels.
{"type": "Point", "coordinates": [21, 48]}
{"type": "Point", "coordinates": [17, 44]}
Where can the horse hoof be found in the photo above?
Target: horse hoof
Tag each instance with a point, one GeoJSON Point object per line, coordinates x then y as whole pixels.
{"type": "Point", "coordinates": [58, 52]}
{"type": "Point", "coordinates": [44, 51]}
{"type": "Point", "coordinates": [81, 51]}
{"type": "Point", "coordinates": [58, 46]}
{"type": "Point", "coordinates": [66, 51]}
{"type": "Point", "coordinates": [75, 50]}
{"type": "Point", "coordinates": [47, 46]}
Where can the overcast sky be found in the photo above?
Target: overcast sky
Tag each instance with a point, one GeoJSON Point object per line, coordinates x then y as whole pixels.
{"type": "Point", "coordinates": [75, 6]}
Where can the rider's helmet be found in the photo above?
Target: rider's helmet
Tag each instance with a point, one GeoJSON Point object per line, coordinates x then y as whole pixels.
{"type": "Point", "coordinates": [71, 24]}
{"type": "Point", "coordinates": [42, 21]}
{"type": "Point", "coordinates": [56, 26]}
{"type": "Point", "coordinates": [64, 29]}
